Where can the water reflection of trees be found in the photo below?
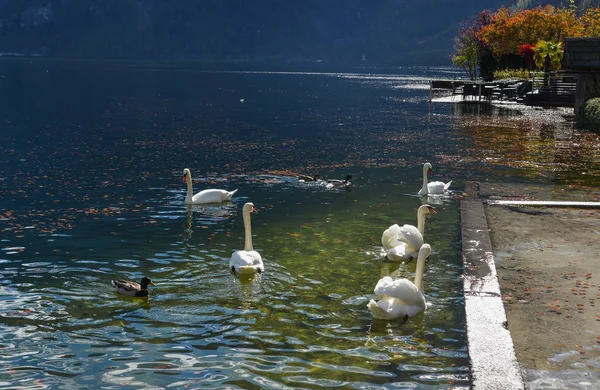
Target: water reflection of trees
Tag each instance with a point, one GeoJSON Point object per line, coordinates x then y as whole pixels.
{"type": "Point", "coordinates": [537, 143]}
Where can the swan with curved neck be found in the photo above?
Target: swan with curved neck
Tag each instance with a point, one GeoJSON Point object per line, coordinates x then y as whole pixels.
{"type": "Point", "coordinates": [403, 242]}
{"type": "Point", "coordinates": [247, 261]}
{"type": "Point", "coordinates": [211, 195]}
{"type": "Point", "coordinates": [401, 298]}
{"type": "Point", "coordinates": [434, 187]}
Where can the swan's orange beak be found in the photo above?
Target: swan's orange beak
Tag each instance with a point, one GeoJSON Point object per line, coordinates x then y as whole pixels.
{"type": "Point", "coordinates": [430, 171]}
{"type": "Point", "coordinates": [254, 210]}
{"type": "Point", "coordinates": [184, 178]}
{"type": "Point", "coordinates": [432, 210]}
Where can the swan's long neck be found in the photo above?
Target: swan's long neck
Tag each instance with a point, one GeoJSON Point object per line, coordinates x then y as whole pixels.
{"type": "Point", "coordinates": [248, 232]}
{"type": "Point", "coordinates": [421, 221]}
{"type": "Point", "coordinates": [188, 179]}
{"type": "Point", "coordinates": [420, 269]}
{"type": "Point", "coordinates": [424, 188]}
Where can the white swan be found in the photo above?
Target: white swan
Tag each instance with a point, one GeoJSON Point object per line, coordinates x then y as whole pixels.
{"type": "Point", "coordinates": [400, 298]}
{"type": "Point", "coordinates": [434, 187]}
{"type": "Point", "coordinates": [403, 243]}
{"type": "Point", "coordinates": [247, 261]}
{"type": "Point", "coordinates": [211, 195]}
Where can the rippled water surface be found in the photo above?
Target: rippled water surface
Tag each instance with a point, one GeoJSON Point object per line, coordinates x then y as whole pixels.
{"type": "Point", "coordinates": [91, 190]}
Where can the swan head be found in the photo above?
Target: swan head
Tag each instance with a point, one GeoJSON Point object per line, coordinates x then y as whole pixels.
{"type": "Point", "coordinates": [249, 208]}
{"type": "Point", "coordinates": [186, 172]}
{"type": "Point", "coordinates": [427, 209]}
{"type": "Point", "coordinates": [428, 168]}
{"type": "Point", "coordinates": [424, 252]}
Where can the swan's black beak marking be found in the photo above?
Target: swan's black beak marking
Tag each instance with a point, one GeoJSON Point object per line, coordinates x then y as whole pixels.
{"type": "Point", "coordinates": [406, 318]}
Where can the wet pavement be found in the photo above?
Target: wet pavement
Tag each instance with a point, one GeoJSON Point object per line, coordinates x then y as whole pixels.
{"type": "Point", "coordinates": [546, 259]}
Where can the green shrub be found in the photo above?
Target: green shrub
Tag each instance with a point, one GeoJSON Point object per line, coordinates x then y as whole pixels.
{"type": "Point", "coordinates": [591, 115]}
{"type": "Point", "coordinates": [511, 74]}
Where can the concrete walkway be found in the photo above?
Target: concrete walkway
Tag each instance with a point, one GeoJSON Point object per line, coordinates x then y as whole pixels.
{"type": "Point", "coordinates": [532, 281]}
{"type": "Point", "coordinates": [491, 351]}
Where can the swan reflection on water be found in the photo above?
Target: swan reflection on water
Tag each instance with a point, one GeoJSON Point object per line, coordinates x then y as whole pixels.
{"type": "Point", "coordinates": [441, 199]}
{"type": "Point", "coordinates": [213, 212]}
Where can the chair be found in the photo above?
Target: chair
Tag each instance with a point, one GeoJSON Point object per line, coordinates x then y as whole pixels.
{"type": "Point", "coordinates": [469, 90]}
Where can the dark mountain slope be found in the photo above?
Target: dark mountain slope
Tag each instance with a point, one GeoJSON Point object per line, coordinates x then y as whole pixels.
{"type": "Point", "coordinates": [383, 31]}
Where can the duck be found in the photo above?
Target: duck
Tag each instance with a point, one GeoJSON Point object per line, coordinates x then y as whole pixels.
{"type": "Point", "coordinates": [211, 195]}
{"type": "Point", "coordinates": [401, 298]}
{"type": "Point", "coordinates": [247, 261]}
{"type": "Point", "coordinates": [133, 289]}
{"type": "Point", "coordinates": [402, 243]}
{"type": "Point", "coordinates": [307, 178]}
{"type": "Point", "coordinates": [434, 187]}
{"type": "Point", "coordinates": [336, 183]}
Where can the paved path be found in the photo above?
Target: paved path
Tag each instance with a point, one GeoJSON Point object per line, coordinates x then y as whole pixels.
{"type": "Point", "coordinates": [548, 265]}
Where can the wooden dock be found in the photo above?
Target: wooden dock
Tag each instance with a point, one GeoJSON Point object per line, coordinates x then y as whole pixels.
{"type": "Point", "coordinates": [560, 92]}
{"type": "Point", "coordinates": [474, 91]}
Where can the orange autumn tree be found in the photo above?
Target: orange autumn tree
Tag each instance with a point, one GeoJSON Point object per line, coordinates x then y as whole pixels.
{"type": "Point", "coordinates": [591, 22]}
{"type": "Point", "coordinates": [509, 30]}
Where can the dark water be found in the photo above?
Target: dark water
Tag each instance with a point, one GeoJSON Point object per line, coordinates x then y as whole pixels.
{"type": "Point", "coordinates": [91, 190]}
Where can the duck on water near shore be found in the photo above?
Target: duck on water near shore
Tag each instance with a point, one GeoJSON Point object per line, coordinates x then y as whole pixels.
{"type": "Point", "coordinates": [307, 178]}
{"type": "Point", "coordinates": [336, 183]}
{"type": "Point", "coordinates": [133, 289]}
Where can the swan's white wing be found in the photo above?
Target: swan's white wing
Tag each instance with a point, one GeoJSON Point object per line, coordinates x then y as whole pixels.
{"type": "Point", "coordinates": [392, 308]}
{"type": "Point", "coordinates": [389, 238]}
{"type": "Point", "coordinates": [437, 187]}
{"type": "Point", "coordinates": [386, 309]}
{"type": "Point", "coordinates": [382, 285]}
{"type": "Point", "coordinates": [400, 252]}
{"type": "Point", "coordinates": [212, 195]}
{"type": "Point", "coordinates": [412, 236]}
{"type": "Point", "coordinates": [246, 262]}
{"type": "Point", "coordinates": [396, 235]}
{"type": "Point", "coordinates": [401, 289]}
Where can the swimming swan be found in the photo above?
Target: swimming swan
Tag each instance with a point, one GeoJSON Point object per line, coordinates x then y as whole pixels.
{"type": "Point", "coordinates": [434, 187]}
{"type": "Point", "coordinates": [211, 195]}
{"type": "Point", "coordinates": [247, 261]}
{"type": "Point", "coordinates": [400, 298]}
{"type": "Point", "coordinates": [403, 243]}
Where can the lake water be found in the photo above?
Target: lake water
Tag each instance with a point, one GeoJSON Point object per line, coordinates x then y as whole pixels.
{"type": "Point", "coordinates": [91, 190]}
